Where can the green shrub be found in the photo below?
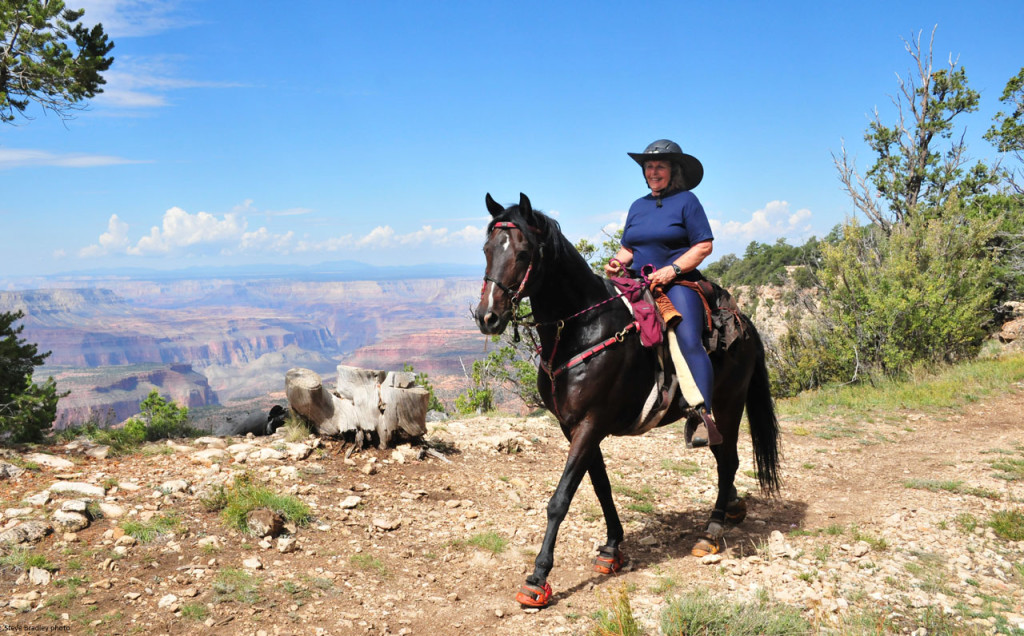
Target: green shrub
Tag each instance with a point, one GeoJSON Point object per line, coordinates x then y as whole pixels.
{"type": "Point", "coordinates": [245, 496]}
{"type": "Point", "coordinates": [700, 613]}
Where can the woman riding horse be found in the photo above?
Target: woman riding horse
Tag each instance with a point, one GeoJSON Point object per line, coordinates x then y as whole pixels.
{"type": "Point", "coordinates": [597, 378]}
{"type": "Point", "coordinates": [668, 232]}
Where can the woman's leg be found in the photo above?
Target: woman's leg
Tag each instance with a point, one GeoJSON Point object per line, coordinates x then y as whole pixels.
{"type": "Point", "coordinates": [689, 332]}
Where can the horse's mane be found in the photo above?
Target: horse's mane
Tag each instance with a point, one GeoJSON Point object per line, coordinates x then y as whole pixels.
{"type": "Point", "coordinates": [548, 234]}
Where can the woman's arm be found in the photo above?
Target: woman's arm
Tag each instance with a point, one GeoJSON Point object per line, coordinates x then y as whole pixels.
{"type": "Point", "coordinates": [688, 261]}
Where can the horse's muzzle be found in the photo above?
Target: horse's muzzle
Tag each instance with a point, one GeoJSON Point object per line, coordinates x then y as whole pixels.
{"type": "Point", "coordinates": [490, 322]}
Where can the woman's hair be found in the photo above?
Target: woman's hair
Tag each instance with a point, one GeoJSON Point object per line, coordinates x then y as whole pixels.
{"type": "Point", "coordinates": [678, 181]}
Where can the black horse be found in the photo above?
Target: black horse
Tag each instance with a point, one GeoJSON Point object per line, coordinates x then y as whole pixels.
{"type": "Point", "coordinates": [595, 377]}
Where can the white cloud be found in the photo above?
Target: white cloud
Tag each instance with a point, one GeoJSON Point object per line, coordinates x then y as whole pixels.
{"type": "Point", "coordinates": [228, 235]}
{"type": "Point", "coordinates": [136, 82]}
{"type": "Point", "coordinates": [181, 229]}
{"type": "Point", "coordinates": [113, 240]}
{"type": "Point", "coordinates": [262, 240]}
{"type": "Point", "coordinates": [23, 157]}
{"type": "Point", "coordinates": [133, 18]}
{"type": "Point", "coordinates": [774, 220]}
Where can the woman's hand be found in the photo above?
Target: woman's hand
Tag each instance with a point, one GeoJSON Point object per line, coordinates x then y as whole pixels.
{"type": "Point", "coordinates": [662, 277]}
{"type": "Point", "coordinates": [617, 264]}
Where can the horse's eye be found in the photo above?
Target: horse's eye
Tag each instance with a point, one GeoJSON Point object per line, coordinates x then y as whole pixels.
{"type": "Point", "coordinates": [523, 257]}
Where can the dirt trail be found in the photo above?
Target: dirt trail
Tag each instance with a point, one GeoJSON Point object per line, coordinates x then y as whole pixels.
{"type": "Point", "coordinates": [847, 536]}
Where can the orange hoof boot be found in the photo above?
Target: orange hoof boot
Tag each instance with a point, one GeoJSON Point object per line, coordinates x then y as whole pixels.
{"type": "Point", "coordinates": [533, 595]}
{"type": "Point", "coordinates": [706, 545]}
{"type": "Point", "coordinates": [609, 560]}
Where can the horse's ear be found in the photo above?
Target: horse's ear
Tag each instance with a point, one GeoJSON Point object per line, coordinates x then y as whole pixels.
{"type": "Point", "coordinates": [493, 206]}
{"type": "Point", "coordinates": [526, 209]}
{"type": "Point", "coordinates": [524, 205]}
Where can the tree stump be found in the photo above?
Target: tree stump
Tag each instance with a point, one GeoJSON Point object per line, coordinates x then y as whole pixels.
{"type": "Point", "coordinates": [365, 401]}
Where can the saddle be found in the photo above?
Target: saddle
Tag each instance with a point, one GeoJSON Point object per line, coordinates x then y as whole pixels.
{"type": "Point", "coordinates": [655, 313]}
{"type": "Point", "coordinates": [722, 328]}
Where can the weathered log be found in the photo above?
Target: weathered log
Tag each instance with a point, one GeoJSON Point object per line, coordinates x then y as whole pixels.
{"type": "Point", "coordinates": [366, 401]}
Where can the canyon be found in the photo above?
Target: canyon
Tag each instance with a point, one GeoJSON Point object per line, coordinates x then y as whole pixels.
{"type": "Point", "coordinates": [218, 342]}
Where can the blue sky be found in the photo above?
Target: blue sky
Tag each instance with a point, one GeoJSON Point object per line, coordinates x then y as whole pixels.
{"type": "Point", "coordinates": [296, 133]}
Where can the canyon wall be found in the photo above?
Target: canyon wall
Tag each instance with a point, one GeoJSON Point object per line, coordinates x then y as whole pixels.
{"type": "Point", "coordinates": [231, 339]}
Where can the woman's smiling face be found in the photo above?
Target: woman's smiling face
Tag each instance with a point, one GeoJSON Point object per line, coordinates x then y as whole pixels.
{"type": "Point", "coordinates": [658, 174]}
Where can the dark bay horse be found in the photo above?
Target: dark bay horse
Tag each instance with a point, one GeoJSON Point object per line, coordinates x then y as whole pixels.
{"type": "Point", "coordinates": [596, 377]}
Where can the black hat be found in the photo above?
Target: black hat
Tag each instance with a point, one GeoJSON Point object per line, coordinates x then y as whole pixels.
{"type": "Point", "coordinates": [667, 150]}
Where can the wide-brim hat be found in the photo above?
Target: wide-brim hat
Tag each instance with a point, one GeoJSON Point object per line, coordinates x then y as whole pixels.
{"type": "Point", "coordinates": [667, 150]}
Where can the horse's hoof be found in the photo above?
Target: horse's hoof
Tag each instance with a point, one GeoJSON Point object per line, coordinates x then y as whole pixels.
{"type": "Point", "coordinates": [534, 596]}
{"type": "Point", "coordinates": [609, 560]}
{"type": "Point", "coordinates": [706, 545]}
{"type": "Point", "coordinates": [736, 511]}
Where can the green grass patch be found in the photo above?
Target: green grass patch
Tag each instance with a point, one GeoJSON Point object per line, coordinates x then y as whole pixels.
{"type": "Point", "coordinates": [949, 389]}
{"type": "Point", "coordinates": [951, 485]}
{"type": "Point", "coordinates": [233, 584]}
{"type": "Point", "coordinates": [71, 582]}
{"type": "Point", "coordinates": [148, 531]}
{"type": "Point", "coordinates": [1008, 524]}
{"type": "Point", "coordinates": [685, 467]}
{"type": "Point", "coordinates": [490, 541]}
{"type": "Point", "coordinates": [965, 522]}
{"type": "Point", "coordinates": [370, 563]}
{"type": "Point", "coordinates": [644, 494]}
{"type": "Point", "coordinates": [644, 507]}
{"type": "Point", "coordinates": [63, 600]}
{"type": "Point", "coordinates": [701, 613]}
{"type": "Point", "coordinates": [23, 559]}
{"type": "Point", "coordinates": [877, 544]}
{"type": "Point", "coordinates": [244, 496]}
{"type": "Point", "coordinates": [1010, 469]}
{"type": "Point", "coordinates": [616, 618]}
{"type": "Point", "coordinates": [930, 569]}
{"type": "Point", "coordinates": [194, 611]}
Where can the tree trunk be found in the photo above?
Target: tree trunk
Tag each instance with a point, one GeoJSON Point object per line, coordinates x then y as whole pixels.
{"type": "Point", "coordinates": [366, 401]}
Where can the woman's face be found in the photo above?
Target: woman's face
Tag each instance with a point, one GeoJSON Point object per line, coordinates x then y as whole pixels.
{"type": "Point", "coordinates": [658, 175]}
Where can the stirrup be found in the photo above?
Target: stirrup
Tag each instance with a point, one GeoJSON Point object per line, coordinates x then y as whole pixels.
{"type": "Point", "coordinates": [695, 432]}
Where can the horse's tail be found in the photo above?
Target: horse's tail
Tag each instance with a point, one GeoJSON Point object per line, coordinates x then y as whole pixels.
{"type": "Point", "coordinates": [764, 426]}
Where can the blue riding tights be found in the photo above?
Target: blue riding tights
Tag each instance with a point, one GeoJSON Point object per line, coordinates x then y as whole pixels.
{"type": "Point", "coordinates": [689, 332]}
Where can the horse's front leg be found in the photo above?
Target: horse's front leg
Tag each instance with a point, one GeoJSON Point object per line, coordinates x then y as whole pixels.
{"type": "Point", "coordinates": [584, 447]}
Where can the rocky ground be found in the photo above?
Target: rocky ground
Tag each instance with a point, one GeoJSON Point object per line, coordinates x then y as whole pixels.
{"type": "Point", "coordinates": [879, 523]}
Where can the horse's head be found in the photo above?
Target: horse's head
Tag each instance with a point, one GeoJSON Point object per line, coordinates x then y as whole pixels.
{"type": "Point", "coordinates": [512, 252]}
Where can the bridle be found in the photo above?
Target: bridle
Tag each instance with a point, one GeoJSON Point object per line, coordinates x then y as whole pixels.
{"type": "Point", "coordinates": [518, 319]}
{"type": "Point", "coordinates": [514, 296]}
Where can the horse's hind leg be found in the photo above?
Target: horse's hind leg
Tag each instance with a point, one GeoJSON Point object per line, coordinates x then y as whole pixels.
{"type": "Point", "coordinates": [727, 505]}
{"type": "Point", "coordinates": [610, 558]}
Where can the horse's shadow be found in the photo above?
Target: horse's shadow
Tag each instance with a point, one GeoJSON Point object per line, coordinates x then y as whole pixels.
{"type": "Point", "coordinates": [670, 535]}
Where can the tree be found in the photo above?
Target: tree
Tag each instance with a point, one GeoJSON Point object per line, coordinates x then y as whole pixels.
{"type": "Point", "coordinates": [1007, 133]}
{"type": "Point", "coordinates": [27, 410]}
{"type": "Point", "coordinates": [160, 419]}
{"type": "Point", "coordinates": [918, 283]}
{"type": "Point", "coordinates": [47, 57]}
{"type": "Point", "coordinates": [422, 379]}
{"type": "Point", "coordinates": [910, 169]}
